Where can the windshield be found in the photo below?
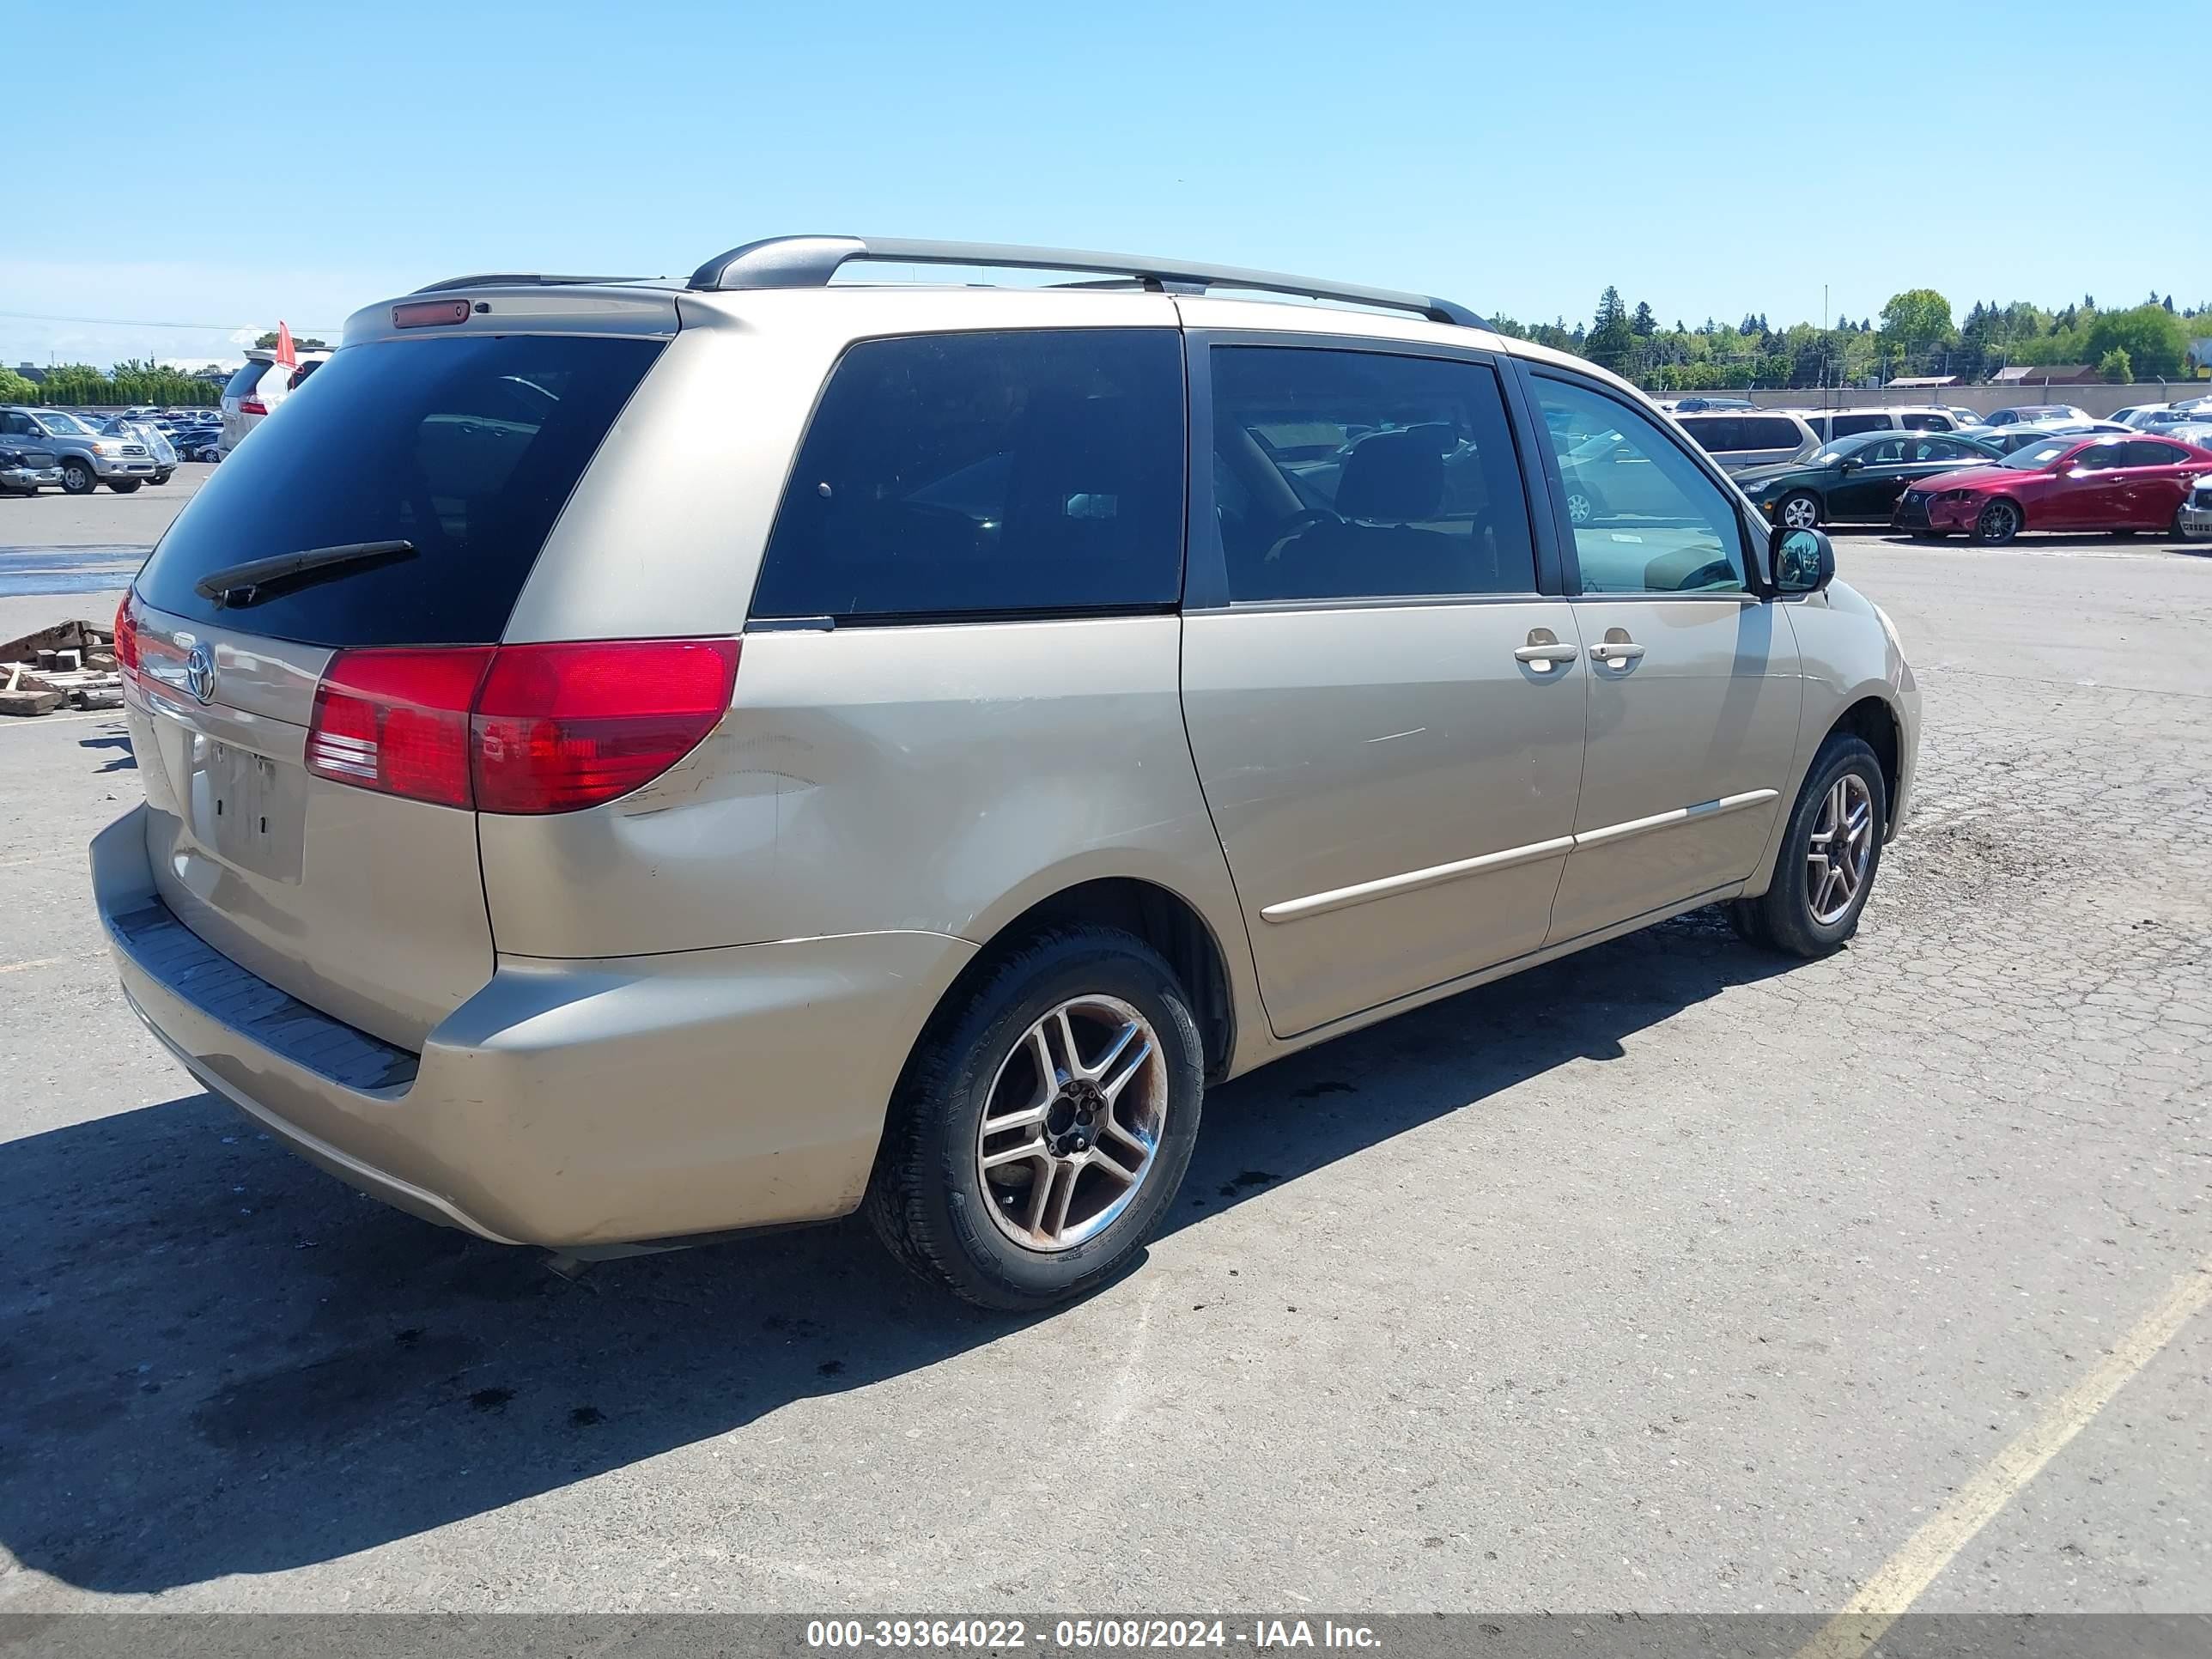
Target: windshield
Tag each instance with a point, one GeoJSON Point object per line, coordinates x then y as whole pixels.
{"type": "Point", "coordinates": [61, 426]}
{"type": "Point", "coordinates": [2033, 457]}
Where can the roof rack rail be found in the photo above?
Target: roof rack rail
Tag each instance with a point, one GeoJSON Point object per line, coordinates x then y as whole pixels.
{"type": "Point", "coordinates": [812, 261]}
{"type": "Point", "coordinates": [513, 279]}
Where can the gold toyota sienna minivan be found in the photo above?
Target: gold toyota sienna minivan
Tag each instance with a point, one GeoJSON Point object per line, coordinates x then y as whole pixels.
{"type": "Point", "coordinates": [628, 763]}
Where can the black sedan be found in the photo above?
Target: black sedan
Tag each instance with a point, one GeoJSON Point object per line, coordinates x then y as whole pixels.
{"type": "Point", "coordinates": [1857, 478]}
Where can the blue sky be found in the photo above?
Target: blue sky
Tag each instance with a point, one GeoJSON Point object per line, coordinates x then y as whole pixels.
{"type": "Point", "coordinates": [1712, 158]}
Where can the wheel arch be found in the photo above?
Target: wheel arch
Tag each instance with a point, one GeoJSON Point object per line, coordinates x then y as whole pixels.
{"type": "Point", "coordinates": [1170, 923]}
{"type": "Point", "coordinates": [1872, 720]}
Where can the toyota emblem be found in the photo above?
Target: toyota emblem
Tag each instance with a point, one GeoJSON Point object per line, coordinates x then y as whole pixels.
{"type": "Point", "coordinates": [199, 673]}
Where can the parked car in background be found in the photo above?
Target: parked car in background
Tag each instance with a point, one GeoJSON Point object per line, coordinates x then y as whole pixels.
{"type": "Point", "coordinates": [1831, 423]}
{"type": "Point", "coordinates": [2105, 482]}
{"type": "Point", "coordinates": [26, 468]}
{"type": "Point", "coordinates": [2030, 412]}
{"type": "Point", "coordinates": [2198, 432]}
{"type": "Point", "coordinates": [1755, 439]}
{"type": "Point", "coordinates": [2007, 439]}
{"type": "Point", "coordinates": [197, 443]}
{"type": "Point", "coordinates": [2137, 415]}
{"type": "Point", "coordinates": [1857, 478]}
{"type": "Point", "coordinates": [1696, 405]}
{"type": "Point", "coordinates": [2196, 511]}
{"type": "Point", "coordinates": [516, 931]}
{"type": "Point", "coordinates": [2171, 415]}
{"type": "Point", "coordinates": [89, 459]}
{"type": "Point", "coordinates": [257, 388]}
{"type": "Point", "coordinates": [156, 439]}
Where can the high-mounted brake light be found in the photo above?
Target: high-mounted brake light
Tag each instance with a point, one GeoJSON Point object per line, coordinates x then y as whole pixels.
{"type": "Point", "coordinates": [431, 313]}
{"type": "Point", "coordinates": [518, 728]}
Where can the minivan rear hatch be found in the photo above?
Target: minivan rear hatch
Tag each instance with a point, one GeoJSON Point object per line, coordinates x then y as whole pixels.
{"type": "Point", "coordinates": [436, 467]}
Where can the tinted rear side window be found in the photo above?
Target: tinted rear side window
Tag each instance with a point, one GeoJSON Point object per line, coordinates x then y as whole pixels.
{"type": "Point", "coordinates": [1716, 434]}
{"type": "Point", "coordinates": [960, 475]}
{"type": "Point", "coordinates": [466, 449]}
{"type": "Point", "coordinates": [1846, 425]}
{"type": "Point", "coordinates": [248, 376]}
{"type": "Point", "coordinates": [1765, 432]}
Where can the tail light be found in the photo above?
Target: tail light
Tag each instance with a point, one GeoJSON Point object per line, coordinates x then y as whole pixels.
{"type": "Point", "coordinates": [518, 728]}
{"type": "Point", "coordinates": [126, 638]}
{"type": "Point", "coordinates": [252, 406]}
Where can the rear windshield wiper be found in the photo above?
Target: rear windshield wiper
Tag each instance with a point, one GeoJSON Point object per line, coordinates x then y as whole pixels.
{"type": "Point", "coordinates": [246, 583]}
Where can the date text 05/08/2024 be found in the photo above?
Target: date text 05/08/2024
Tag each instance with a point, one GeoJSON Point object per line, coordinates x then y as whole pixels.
{"type": "Point", "coordinates": [1006, 1635]}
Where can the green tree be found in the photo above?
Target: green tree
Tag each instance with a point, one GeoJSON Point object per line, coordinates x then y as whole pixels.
{"type": "Point", "coordinates": [2150, 336]}
{"type": "Point", "coordinates": [268, 343]}
{"type": "Point", "coordinates": [1643, 323]}
{"type": "Point", "coordinates": [1613, 341]}
{"type": "Point", "coordinates": [1918, 318]}
{"type": "Point", "coordinates": [2114, 367]}
{"type": "Point", "coordinates": [15, 389]}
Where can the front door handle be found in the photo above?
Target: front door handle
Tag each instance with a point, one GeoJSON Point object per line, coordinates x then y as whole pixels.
{"type": "Point", "coordinates": [1544, 649]}
{"type": "Point", "coordinates": [1622, 651]}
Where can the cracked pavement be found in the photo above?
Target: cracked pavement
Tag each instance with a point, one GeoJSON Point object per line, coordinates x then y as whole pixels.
{"type": "Point", "coordinates": [1672, 1276]}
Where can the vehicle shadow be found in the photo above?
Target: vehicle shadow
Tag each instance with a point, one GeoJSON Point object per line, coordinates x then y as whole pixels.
{"type": "Point", "coordinates": [2043, 541]}
{"type": "Point", "coordinates": [219, 1361]}
{"type": "Point", "coordinates": [124, 760]}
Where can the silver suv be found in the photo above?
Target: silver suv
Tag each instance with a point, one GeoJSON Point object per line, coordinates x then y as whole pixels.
{"type": "Point", "coordinates": [88, 454]}
{"type": "Point", "coordinates": [628, 763]}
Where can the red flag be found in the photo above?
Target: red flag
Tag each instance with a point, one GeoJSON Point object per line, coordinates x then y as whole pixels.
{"type": "Point", "coordinates": [285, 355]}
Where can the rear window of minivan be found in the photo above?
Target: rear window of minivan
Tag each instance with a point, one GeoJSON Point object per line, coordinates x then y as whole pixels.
{"type": "Point", "coordinates": [241, 383]}
{"type": "Point", "coordinates": [464, 449]}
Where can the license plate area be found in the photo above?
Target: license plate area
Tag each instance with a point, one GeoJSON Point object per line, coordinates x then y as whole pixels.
{"type": "Point", "coordinates": [244, 808]}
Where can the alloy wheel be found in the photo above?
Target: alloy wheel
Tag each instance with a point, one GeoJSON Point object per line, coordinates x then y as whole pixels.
{"type": "Point", "coordinates": [1800, 512]}
{"type": "Point", "coordinates": [1072, 1123]}
{"type": "Point", "coordinates": [1840, 849]}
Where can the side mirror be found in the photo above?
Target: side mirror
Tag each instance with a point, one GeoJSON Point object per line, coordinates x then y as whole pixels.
{"type": "Point", "coordinates": [1851, 463]}
{"type": "Point", "coordinates": [1803, 561]}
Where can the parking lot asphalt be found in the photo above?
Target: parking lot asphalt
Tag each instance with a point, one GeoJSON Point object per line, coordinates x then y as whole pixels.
{"type": "Point", "coordinates": [1672, 1276]}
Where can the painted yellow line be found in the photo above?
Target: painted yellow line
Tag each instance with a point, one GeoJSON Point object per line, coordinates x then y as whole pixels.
{"type": "Point", "coordinates": [1886, 1595]}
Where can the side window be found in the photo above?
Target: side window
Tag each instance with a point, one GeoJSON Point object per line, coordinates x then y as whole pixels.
{"type": "Point", "coordinates": [15, 424]}
{"type": "Point", "coordinates": [2101, 458]}
{"type": "Point", "coordinates": [948, 475]}
{"type": "Point", "coordinates": [1656, 523]}
{"type": "Point", "coordinates": [1887, 453]}
{"type": "Point", "coordinates": [1770, 432]}
{"type": "Point", "coordinates": [1927, 422]}
{"type": "Point", "coordinates": [1343, 474]}
{"type": "Point", "coordinates": [2143, 453]}
{"type": "Point", "coordinates": [1848, 424]}
{"type": "Point", "coordinates": [1716, 434]}
{"type": "Point", "coordinates": [1940, 449]}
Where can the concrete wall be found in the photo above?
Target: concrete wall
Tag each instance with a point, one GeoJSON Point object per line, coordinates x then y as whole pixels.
{"type": "Point", "coordinates": [2097, 399]}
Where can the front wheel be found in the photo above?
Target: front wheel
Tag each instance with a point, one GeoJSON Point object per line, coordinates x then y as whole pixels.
{"type": "Point", "coordinates": [1829, 855]}
{"type": "Point", "coordinates": [1044, 1124]}
{"type": "Point", "coordinates": [78, 478]}
{"type": "Point", "coordinates": [1998, 523]}
{"type": "Point", "coordinates": [1799, 510]}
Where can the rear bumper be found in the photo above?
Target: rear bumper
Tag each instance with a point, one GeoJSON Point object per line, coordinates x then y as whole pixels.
{"type": "Point", "coordinates": [569, 1104]}
{"type": "Point", "coordinates": [30, 478]}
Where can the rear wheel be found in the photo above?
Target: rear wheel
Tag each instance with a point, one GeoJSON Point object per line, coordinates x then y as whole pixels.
{"type": "Point", "coordinates": [1044, 1125]}
{"type": "Point", "coordinates": [124, 486]}
{"type": "Point", "coordinates": [2000, 521]}
{"type": "Point", "coordinates": [159, 478]}
{"type": "Point", "coordinates": [1799, 510]}
{"type": "Point", "coordinates": [1829, 855]}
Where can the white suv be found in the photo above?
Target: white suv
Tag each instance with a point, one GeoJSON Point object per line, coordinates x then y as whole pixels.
{"type": "Point", "coordinates": [254, 392]}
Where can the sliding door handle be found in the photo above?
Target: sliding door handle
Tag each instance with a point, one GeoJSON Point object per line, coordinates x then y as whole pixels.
{"type": "Point", "coordinates": [1547, 653]}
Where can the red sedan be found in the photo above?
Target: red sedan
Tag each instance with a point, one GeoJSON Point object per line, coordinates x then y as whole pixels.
{"type": "Point", "coordinates": [2104, 483]}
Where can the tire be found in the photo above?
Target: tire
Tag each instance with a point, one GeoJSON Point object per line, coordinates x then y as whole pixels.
{"type": "Point", "coordinates": [1583, 506]}
{"type": "Point", "coordinates": [1792, 916]}
{"type": "Point", "coordinates": [78, 478]}
{"type": "Point", "coordinates": [124, 486]}
{"type": "Point", "coordinates": [1805, 507]}
{"type": "Point", "coordinates": [2000, 521]}
{"type": "Point", "coordinates": [929, 1197]}
{"type": "Point", "coordinates": [159, 478]}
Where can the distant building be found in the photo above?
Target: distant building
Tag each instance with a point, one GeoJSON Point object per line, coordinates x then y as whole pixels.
{"type": "Point", "coordinates": [2044, 374]}
{"type": "Point", "coordinates": [1925, 380]}
{"type": "Point", "coordinates": [32, 373]}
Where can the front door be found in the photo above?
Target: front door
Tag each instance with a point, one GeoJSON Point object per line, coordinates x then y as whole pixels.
{"type": "Point", "coordinates": [1386, 715]}
{"type": "Point", "coordinates": [1694, 687]}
